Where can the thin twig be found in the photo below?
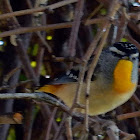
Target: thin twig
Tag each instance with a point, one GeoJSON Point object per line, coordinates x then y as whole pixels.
{"type": "Point", "coordinates": [122, 26]}
{"type": "Point", "coordinates": [23, 30]}
{"type": "Point", "coordinates": [39, 60]}
{"type": "Point", "coordinates": [9, 75]}
{"type": "Point", "coordinates": [11, 118]}
{"type": "Point", "coordinates": [127, 136]}
{"type": "Point", "coordinates": [25, 61]}
{"type": "Point", "coordinates": [75, 27]}
{"type": "Point", "coordinates": [112, 135]}
{"type": "Point", "coordinates": [39, 34]}
{"type": "Point", "coordinates": [128, 115]}
{"type": "Point", "coordinates": [91, 71]}
{"type": "Point", "coordinates": [50, 123]}
{"type": "Point", "coordinates": [22, 53]}
{"type": "Point", "coordinates": [36, 96]}
{"type": "Point", "coordinates": [29, 121]}
{"type": "Point", "coordinates": [132, 40]}
{"type": "Point", "coordinates": [34, 10]}
{"type": "Point", "coordinates": [135, 99]}
{"type": "Point", "coordinates": [14, 86]}
{"type": "Point", "coordinates": [114, 8]}
{"type": "Point", "coordinates": [46, 111]}
{"type": "Point", "coordinates": [60, 130]}
{"type": "Point", "coordinates": [68, 124]}
{"type": "Point", "coordinates": [94, 12]}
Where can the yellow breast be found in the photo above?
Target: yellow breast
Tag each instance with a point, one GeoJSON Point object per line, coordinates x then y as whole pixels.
{"type": "Point", "coordinates": [122, 77]}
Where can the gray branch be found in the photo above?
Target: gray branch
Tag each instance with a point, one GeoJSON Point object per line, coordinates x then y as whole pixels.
{"type": "Point", "coordinates": [38, 96]}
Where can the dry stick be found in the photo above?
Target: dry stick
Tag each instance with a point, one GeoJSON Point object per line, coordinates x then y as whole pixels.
{"type": "Point", "coordinates": [114, 7]}
{"type": "Point", "coordinates": [36, 96]}
{"type": "Point", "coordinates": [39, 60]}
{"type": "Point", "coordinates": [14, 79]}
{"type": "Point", "coordinates": [35, 29]}
{"type": "Point", "coordinates": [68, 128]}
{"type": "Point", "coordinates": [95, 20]}
{"type": "Point", "coordinates": [95, 11]}
{"type": "Point", "coordinates": [29, 4]}
{"type": "Point", "coordinates": [127, 136]}
{"type": "Point", "coordinates": [135, 120]}
{"type": "Point", "coordinates": [26, 62]}
{"type": "Point", "coordinates": [82, 72]}
{"type": "Point", "coordinates": [15, 86]}
{"type": "Point", "coordinates": [9, 119]}
{"type": "Point", "coordinates": [72, 49]}
{"type": "Point", "coordinates": [9, 75]}
{"type": "Point", "coordinates": [23, 30]}
{"type": "Point", "coordinates": [135, 16]}
{"type": "Point", "coordinates": [60, 130]}
{"type": "Point", "coordinates": [92, 67]}
{"type": "Point", "coordinates": [75, 27]}
{"type": "Point", "coordinates": [41, 50]}
{"type": "Point", "coordinates": [44, 43]}
{"type": "Point", "coordinates": [39, 34]}
{"type": "Point", "coordinates": [128, 115]}
{"type": "Point", "coordinates": [28, 124]}
{"type": "Point", "coordinates": [135, 99]}
{"type": "Point", "coordinates": [132, 40]}
{"type": "Point", "coordinates": [50, 123]}
{"type": "Point", "coordinates": [134, 27]}
{"type": "Point", "coordinates": [112, 135]}
{"type": "Point", "coordinates": [34, 10]}
{"type": "Point", "coordinates": [11, 10]}
{"type": "Point", "coordinates": [22, 53]}
{"type": "Point", "coordinates": [122, 26]}
{"type": "Point", "coordinates": [84, 64]}
{"type": "Point", "coordinates": [46, 111]}
{"type": "Point", "coordinates": [49, 27]}
{"type": "Point", "coordinates": [106, 3]}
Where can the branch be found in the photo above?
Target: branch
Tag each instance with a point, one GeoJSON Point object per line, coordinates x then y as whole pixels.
{"type": "Point", "coordinates": [11, 118]}
{"type": "Point", "coordinates": [128, 115]}
{"type": "Point", "coordinates": [23, 30]}
{"type": "Point", "coordinates": [34, 10]}
{"type": "Point", "coordinates": [75, 27]}
{"type": "Point", "coordinates": [39, 96]}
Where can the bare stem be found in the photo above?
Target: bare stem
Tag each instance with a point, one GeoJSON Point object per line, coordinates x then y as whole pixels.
{"type": "Point", "coordinates": [34, 10]}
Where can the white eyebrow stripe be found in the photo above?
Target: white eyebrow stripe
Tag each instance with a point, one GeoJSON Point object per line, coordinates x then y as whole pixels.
{"type": "Point", "coordinates": [135, 55]}
{"type": "Point", "coordinates": [114, 49]}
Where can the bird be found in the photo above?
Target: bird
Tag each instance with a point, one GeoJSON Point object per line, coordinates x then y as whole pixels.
{"type": "Point", "coordinates": [113, 82]}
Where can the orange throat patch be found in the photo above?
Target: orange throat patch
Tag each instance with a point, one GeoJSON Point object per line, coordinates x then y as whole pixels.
{"type": "Point", "coordinates": [122, 77]}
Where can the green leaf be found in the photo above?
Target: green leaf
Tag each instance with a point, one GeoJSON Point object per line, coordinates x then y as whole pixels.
{"type": "Point", "coordinates": [103, 11]}
{"type": "Point", "coordinates": [49, 37]}
{"type": "Point", "coordinates": [35, 49]}
{"type": "Point", "coordinates": [124, 40]}
{"type": "Point", "coordinates": [12, 135]}
{"type": "Point", "coordinates": [33, 64]}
